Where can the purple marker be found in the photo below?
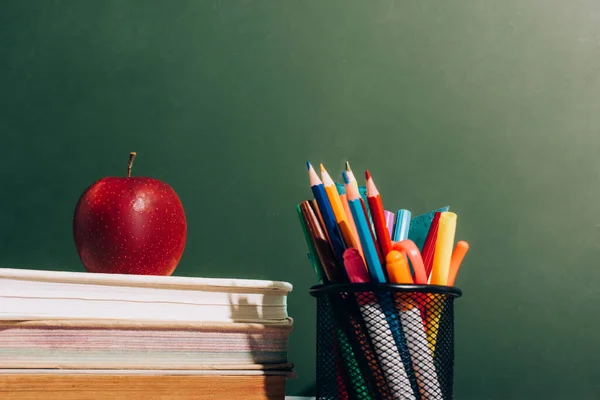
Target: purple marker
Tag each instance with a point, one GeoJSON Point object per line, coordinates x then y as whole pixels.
{"type": "Point", "coordinates": [389, 221]}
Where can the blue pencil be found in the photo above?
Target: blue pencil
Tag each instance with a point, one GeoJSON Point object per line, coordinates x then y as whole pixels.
{"type": "Point", "coordinates": [364, 232]}
{"type": "Point", "coordinates": [331, 226]}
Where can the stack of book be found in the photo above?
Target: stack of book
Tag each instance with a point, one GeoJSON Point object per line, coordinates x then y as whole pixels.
{"type": "Point", "coordinates": [70, 335]}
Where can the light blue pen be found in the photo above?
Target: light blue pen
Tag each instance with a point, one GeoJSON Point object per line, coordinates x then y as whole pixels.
{"type": "Point", "coordinates": [402, 226]}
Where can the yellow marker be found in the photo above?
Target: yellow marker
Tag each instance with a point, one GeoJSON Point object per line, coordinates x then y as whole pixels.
{"type": "Point", "coordinates": [443, 249]}
{"type": "Point", "coordinates": [439, 273]}
{"type": "Point", "coordinates": [338, 209]}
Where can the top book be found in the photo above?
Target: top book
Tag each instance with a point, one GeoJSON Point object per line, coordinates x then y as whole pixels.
{"type": "Point", "coordinates": [46, 295]}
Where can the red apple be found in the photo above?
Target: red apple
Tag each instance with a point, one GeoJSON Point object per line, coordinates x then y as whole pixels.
{"type": "Point", "coordinates": [130, 225]}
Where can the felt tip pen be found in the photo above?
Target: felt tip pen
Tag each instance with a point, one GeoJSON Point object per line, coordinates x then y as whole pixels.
{"type": "Point", "coordinates": [457, 257]}
{"type": "Point", "coordinates": [443, 248]}
{"type": "Point", "coordinates": [402, 226]}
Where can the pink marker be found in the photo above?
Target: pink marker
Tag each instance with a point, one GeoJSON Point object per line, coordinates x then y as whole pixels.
{"type": "Point", "coordinates": [355, 266]}
{"type": "Point", "coordinates": [389, 221]}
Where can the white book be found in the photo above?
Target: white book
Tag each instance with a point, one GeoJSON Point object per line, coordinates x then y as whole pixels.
{"type": "Point", "coordinates": [146, 372]}
{"type": "Point", "coordinates": [47, 295]}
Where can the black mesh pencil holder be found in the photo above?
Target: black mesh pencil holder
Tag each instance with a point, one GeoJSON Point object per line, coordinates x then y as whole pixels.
{"type": "Point", "coordinates": [385, 341]}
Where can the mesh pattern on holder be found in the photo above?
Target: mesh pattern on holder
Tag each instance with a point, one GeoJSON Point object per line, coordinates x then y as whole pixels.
{"type": "Point", "coordinates": [383, 341]}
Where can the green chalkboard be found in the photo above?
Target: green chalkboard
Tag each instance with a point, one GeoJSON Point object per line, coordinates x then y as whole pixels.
{"type": "Point", "coordinates": [491, 107]}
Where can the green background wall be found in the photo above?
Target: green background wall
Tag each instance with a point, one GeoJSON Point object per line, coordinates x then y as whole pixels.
{"type": "Point", "coordinates": [492, 107]}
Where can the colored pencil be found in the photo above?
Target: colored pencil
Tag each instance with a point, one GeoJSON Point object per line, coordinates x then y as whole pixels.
{"type": "Point", "coordinates": [317, 266]}
{"type": "Point", "coordinates": [364, 232]}
{"type": "Point", "coordinates": [378, 216]}
{"type": "Point", "coordinates": [321, 245]}
{"type": "Point", "coordinates": [352, 330]}
{"type": "Point", "coordinates": [327, 213]}
{"type": "Point", "coordinates": [371, 229]}
{"type": "Point", "coordinates": [316, 210]}
{"type": "Point", "coordinates": [349, 172]}
{"type": "Point", "coordinates": [338, 208]}
{"type": "Point", "coordinates": [344, 199]}
{"type": "Point", "coordinates": [352, 181]}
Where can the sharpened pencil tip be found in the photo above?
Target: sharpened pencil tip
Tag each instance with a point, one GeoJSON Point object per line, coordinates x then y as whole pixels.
{"type": "Point", "coordinates": [347, 166]}
{"type": "Point", "coordinates": [322, 167]}
{"type": "Point", "coordinates": [345, 176]}
{"type": "Point", "coordinates": [308, 164]}
{"type": "Point", "coordinates": [367, 174]}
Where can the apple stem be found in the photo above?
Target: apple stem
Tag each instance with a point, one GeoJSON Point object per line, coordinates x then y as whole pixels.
{"type": "Point", "coordinates": [131, 158]}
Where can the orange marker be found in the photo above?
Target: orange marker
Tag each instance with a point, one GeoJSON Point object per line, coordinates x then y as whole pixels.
{"type": "Point", "coordinates": [397, 268]}
{"type": "Point", "coordinates": [378, 216]}
{"type": "Point", "coordinates": [411, 250]}
{"type": "Point", "coordinates": [457, 256]}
